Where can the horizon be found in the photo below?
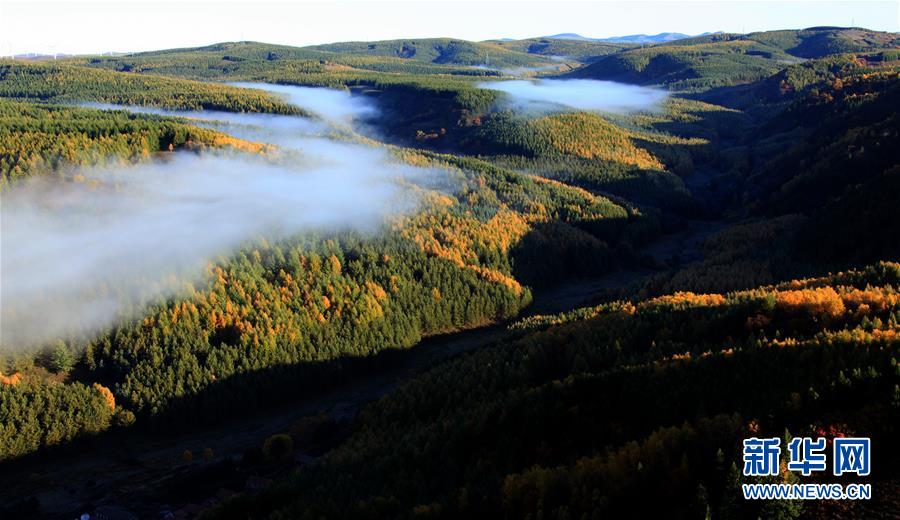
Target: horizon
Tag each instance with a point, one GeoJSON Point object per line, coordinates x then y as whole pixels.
{"type": "Point", "coordinates": [90, 28]}
{"type": "Point", "coordinates": [561, 36]}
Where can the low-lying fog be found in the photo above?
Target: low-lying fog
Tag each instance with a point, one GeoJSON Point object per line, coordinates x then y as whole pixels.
{"type": "Point", "coordinates": [76, 256]}
{"type": "Point", "coordinates": [518, 72]}
{"type": "Point", "coordinates": [547, 95]}
{"type": "Point", "coordinates": [333, 105]}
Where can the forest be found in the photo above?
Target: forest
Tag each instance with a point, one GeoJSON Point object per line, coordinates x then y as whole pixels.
{"type": "Point", "coordinates": [544, 424]}
{"type": "Point", "coordinates": [740, 242]}
{"type": "Point", "coordinates": [36, 139]}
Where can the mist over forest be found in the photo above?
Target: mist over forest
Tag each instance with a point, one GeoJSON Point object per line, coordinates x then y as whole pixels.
{"type": "Point", "coordinates": [136, 234]}
{"type": "Point", "coordinates": [549, 277]}
{"type": "Point", "coordinates": [544, 95]}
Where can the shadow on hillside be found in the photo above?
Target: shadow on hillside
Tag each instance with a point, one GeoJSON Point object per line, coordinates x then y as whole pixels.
{"type": "Point", "coordinates": [238, 412]}
{"type": "Point", "coordinates": [415, 118]}
{"type": "Point", "coordinates": [714, 125]}
{"type": "Point", "coordinates": [653, 189]}
{"type": "Point", "coordinates": [738, 97]}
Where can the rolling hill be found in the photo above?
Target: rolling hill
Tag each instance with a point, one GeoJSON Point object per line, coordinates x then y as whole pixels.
{"type": "Point", "coordinates": [716, 60]}
{"type": "Point", "coordinates": [728, 256]}
{"type": "Point", "coordinates": [817, 42]}
{"type": "Point", "coordinates": [437, 50]}
{"type": "Point", "coordinates": [544, 423]}
{"type": "Point", "coordinates": [563, 49]}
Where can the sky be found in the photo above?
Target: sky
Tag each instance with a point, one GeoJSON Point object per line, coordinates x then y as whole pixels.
{"type": "Point", "coordinates": [79, 27]}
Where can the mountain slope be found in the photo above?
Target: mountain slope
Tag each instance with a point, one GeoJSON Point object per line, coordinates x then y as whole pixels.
{"type": "Point", "coordinates": [436, 50]}
{"type": "Point", "coordinates": [816, 42]}
{"type": "Point", "coordinates": [67, 83]}
{"type": "Point", "coordinates": [694, 66]}
{"type": "Point", "coordinates": [716, 60]}
{"type": "Point", "coordinates": [584, 50]}
{"type": "Point", "coordinates": [584, 413]}
{"type": "Point", "coordinates": [841, 167]}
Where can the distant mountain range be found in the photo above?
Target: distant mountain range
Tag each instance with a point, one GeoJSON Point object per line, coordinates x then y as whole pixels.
{"type": "Point", "coordinates": [38, 56]}
{"type": "Point", "coordinates": [633, 38]}
{"type": "Point", "coordinates": [44, 56]}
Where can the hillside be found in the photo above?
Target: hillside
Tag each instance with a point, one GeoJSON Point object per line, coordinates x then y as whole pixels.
{"type": "Point", "coordinates": [584, 50]}
{"type": "Point", "coordinates": [451, 266]}
{"type": "Point", "coordinates": [437, 50]}
{"type": "Point", "coordinates": [725, 249]}
{"type": "Point", "coordinates": [36, 139]}
{"type": "Point", "coordinates": [842, 165]}
{"type": "Point", "coordinates": [63, 83]}
{"type": "Point", "coordinates": [817, 42]}
{"type": "Point", "coordinates": [252, 61]}
{"type": "Point", "coordinates": [544, 424]}
{"type": "Point", "coordinates": [716, 60]}
{"type": "Point", "coordinates": [688, 65]}
{"type": "Point", "coordinates": [588, 150]}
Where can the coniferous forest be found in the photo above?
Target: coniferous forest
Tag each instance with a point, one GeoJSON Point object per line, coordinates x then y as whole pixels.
{"type": "Point", "coordinates": [560, 309]}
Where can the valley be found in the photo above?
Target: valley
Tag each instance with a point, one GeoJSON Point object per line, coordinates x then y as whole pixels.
{"type": "Point", "coordinates": [391, 279]}
{"type": "Point", "coordinates": [115, 471]}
